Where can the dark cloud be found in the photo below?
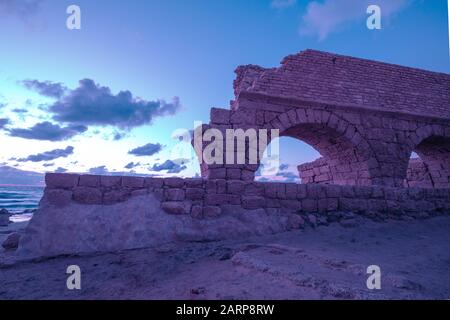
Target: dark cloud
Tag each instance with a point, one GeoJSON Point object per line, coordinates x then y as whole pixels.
{"type": "Point", "coordinates": [45, 88]}
{"type": "Point", "coordinates": [99, 170]}
{"type": "Point", "coordinates": [283, 174]}
{"type": "Point", "coordinates": [19, 110]}
{"type": "Point", "coordinates": [48, 164]}
{"type": "Point", "coordinates": [132, 165]}
{"type": "Point", "coordinates": [48, 131]}
{"type": "Point", "coordinates": [148, 150]}
{"type": "Point", "coordinates": [49, 155]}
{"type": "Point", "coordinates": [170, 166]}
{"type": "Point", "coordinates": [288, 176]}
{"type": "Point", "coordinates": [118, 136]}
{"type": "Point", "coordinates": [60, 170]}
{"type": "Point", "coordinates": [91, 104]}
{"type": "Point", "coordinates": [3, 122]}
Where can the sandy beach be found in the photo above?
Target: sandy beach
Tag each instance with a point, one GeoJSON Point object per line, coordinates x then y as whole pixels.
{"type": "Point", "coordinates": [327, 262]}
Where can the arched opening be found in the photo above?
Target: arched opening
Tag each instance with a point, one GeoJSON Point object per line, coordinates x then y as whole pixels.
{"type": "Point", "coordinates": [292, 152]}
{"type": "Point", "coordinates": [429, 166]}
{"type": "Point", "coordinates": [341, 162]}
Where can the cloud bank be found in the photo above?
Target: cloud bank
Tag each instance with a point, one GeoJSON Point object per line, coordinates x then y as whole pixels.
{"type": "Point", "coordinates": [48, 131]}
{"type": "Point", "coordinates": [147, 150]}
{"type": "Point", "coordinates": [3, 122]}
{"type": "Point", "coordinates": [169, 166]}
{"type": "Point", "coordinates": [132, 165]}
{"type": "Point", "coordinates": [92, 104]}
{"type": "Point", "coordinates": [49, 155]}
{"type": "Point", "coordinates": [45, 88]}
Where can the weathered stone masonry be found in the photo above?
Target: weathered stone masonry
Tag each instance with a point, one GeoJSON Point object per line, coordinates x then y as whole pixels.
{"type": "Point", "coordinates": [364, 117]}
{"type": "Point", "coordinates": [203, 199]}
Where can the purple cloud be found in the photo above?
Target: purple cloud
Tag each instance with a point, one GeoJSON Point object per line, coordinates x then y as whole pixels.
{"type": "Point", "coordinates": [132, 165]}
{"type": "Point", "coordinates": [49, 155]}
{"type": "Point", "coordinates": [45, 88]}
{"type": "Point", "coordinates": [147, 150]}
{"type": "Point", "coordinates": [102, 170]}
{"type": "Point", "coordinates": [92, 104]}
{"type": "Point", "coordinates": [3, 122]}
{"type": "Point", "coordinates": [170, 166]}
{"type": "Point", "coordinates": [48, 131]}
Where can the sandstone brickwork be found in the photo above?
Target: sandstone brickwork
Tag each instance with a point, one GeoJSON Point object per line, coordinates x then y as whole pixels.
{"type": "Point", "coordinates": [203, 199]}
{"type": "Point", "coordinates": [364, 117]}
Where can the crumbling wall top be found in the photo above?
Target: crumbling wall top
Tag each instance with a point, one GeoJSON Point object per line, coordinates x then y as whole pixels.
{"type": "Point", "coordinates": [341, 80]}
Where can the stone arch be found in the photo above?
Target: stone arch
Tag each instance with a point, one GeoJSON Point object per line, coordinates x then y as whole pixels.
{"type": "Point", "coordinates": [347, 159]}
{"type": "Point", "coordinates": [432, 169]}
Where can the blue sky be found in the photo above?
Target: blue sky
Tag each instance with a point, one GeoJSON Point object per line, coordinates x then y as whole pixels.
{"type": "Point", "coordinates": [188, 49]}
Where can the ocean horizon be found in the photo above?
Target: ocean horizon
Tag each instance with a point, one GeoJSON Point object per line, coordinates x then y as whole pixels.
{"type": "Point", "coordinates": [18, 199]}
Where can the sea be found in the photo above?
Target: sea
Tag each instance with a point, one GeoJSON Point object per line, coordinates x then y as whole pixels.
{"type": "Point", "coordinates": [20, 201]}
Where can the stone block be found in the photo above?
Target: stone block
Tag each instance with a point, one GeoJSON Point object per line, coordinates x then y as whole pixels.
{"type": "Point", "coordinates": [253, 202]}
{"type": "Point", "coordinates": [328, 204]}
{"type": "Point", "coordinates": [194, 183]}
{"type": "Point", "coordinates": [58, 197]}
{"type": "Point", "coordinates": [235, 186]}
{"type": "Point", "coordinates": [61, 180]}
{"type": "Point", "coordinates": [176, 207]}
{"type": "Point", "coordinates": [291, 191]}
{"type": "Point", "coordinates": [153, 183]}
{"type": "Point", "coordinates": [197, 212]}
{"type": "Point", "coordinates": [309, 205]}
{"type": "Point", "coordinates": [233, 174]}
{"type": "Point", "coordinates": [174, 182]}
{"type": "Point", "coordinates": [110, 181]}
{"type": "Point", "coordinates": [195, 193]}
{"type": "Point", "coordinates": [115, 196]}
{"type": "Point", "coordinates": [133, 182]}
{"type": "Point", "coordinates": [174, 194]}
{"type": "Point", "coordinates": [220, 116]}
{"type": "Point", "coordinates": [89, 181]}
{"type": "Point", "coordinates": [211, 211]}
{"type": "Point", "coordinates": [87, 195]}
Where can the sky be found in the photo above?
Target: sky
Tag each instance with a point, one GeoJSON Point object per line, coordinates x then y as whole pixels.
{"type": "Point", "coordinates": [113, 96]}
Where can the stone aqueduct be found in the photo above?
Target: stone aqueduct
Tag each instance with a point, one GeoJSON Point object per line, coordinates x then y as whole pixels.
{"type": "Point", "coordinates": [364, 117]}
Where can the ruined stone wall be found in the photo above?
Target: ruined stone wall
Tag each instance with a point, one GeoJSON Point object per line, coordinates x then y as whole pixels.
{"type": "Point", "coordinates": [361, 148]}
{"type": "Point", "coordinates": [318, 171]}
{"type": "Point", "coordinates": [213, 198]}
{"type": "Point", "coordinates": [364, 117]}
{"type": "Point", "coordinates": [342, 80]}
{"type": "Point", "coordinates": [418, 175]}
